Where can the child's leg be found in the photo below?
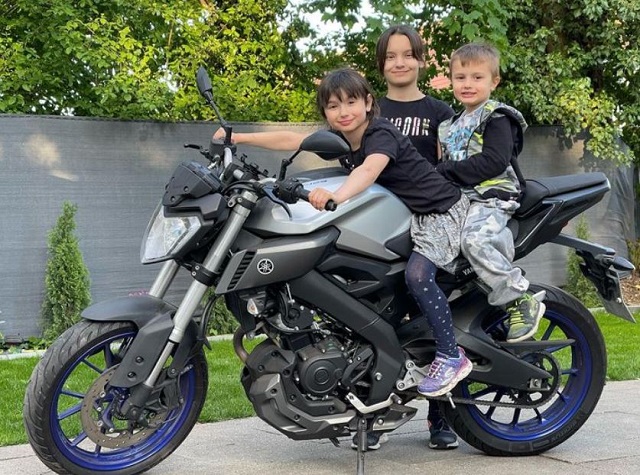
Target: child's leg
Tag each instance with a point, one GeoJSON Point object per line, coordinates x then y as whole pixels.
{"type": "Point", "coordinates": [487, 244]}
{"type": "Point", "coordinates": [421, 281]}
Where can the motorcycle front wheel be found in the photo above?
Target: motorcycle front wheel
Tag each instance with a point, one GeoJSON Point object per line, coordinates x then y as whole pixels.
{"type": "Point", "coordinates": [70, 410]}
{"type": "Point", "coordinates": [548, 416]}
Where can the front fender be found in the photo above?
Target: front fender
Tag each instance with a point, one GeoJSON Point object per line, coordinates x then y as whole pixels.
{"type": "Point", "coordinates": [136, 309]}
{"type": "Point", "coordinates": [153, 318]}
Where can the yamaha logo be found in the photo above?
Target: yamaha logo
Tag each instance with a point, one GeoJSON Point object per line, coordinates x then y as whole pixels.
{"type": "Point", "coordinates": [265, 266]}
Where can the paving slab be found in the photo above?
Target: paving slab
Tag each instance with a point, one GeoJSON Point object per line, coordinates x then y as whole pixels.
{"type": "Point", "coordinates": [608, 443]}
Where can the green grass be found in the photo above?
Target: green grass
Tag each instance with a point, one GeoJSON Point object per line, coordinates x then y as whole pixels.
{"type": "Point", "coordinates": [623, 346]}
{"type": "Point", "coordinates": [226, 398]}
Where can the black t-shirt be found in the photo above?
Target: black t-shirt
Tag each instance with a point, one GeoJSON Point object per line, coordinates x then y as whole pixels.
{"type": "Point", "coordinates": [418, 120]}
{"type": "Point", "coordinates": [408, 175]}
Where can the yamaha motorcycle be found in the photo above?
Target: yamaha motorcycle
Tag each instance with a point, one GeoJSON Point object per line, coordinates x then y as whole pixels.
{"type": "Point", "coordinates": [343, 345]}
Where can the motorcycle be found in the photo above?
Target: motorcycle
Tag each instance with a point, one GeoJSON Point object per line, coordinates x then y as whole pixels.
{"type": "Point", "coordinates": [343, 345]}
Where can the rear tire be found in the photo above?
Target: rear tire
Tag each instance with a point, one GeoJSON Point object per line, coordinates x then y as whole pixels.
{"type": "Point", "coordinates": [63, 387]}
{"type": "Point", "coordinates": [580, 370]}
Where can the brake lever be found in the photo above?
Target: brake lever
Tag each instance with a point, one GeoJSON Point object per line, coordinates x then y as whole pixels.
{"type": "Point", "coordinates": [269, 193]}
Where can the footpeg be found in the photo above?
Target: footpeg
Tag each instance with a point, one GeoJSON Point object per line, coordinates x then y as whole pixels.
{"type": "Point", "coordinates": [449, 396]}
{"type": "Point", "coordinates": [540, 296]}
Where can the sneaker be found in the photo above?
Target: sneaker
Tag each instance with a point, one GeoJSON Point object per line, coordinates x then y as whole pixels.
{"type": "Point", "coordinates": [524, 318]}
{"type": "Point", "coordinates": [444, 373]}
{"type": "Point", "coordinates": [442, 437]}
{"type": "Point", "coordinates": [374, 440]}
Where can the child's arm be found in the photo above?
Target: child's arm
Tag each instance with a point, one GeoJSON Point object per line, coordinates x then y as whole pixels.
{"type": "Point", "coordinates": [494, 159]}
{"type": "Point", "coordinates": [359, 179]}
{"type": "Point", "coordinates": [275, 140]}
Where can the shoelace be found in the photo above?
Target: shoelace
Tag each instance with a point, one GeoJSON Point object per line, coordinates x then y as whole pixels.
{"type": "Point", "coordinates": [435, 368]}
{"type": "Point", "coordinates": [516, 317]}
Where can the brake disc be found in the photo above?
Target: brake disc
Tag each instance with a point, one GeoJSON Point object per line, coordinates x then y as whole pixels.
{"type": "Point", "coordinates": [100, 421]}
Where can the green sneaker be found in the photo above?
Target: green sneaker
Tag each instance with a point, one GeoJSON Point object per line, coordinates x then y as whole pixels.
{"type": "Point", "coordinates": [524, 317]}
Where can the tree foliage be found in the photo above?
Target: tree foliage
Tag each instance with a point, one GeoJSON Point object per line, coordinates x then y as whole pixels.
{"type": "Point", "coordinates": [573, 63]}
{"type": "Point", "coordinates": [116, 58]}
{"type": "Point", "coordinates": [67, 287]}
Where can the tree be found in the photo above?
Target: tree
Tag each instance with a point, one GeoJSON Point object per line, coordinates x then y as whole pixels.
{"type": "Point", "coordinates": [67, 287]}
{"type": "Point", "coordinates": [137, 60]}
{"type": "Point", "coordinates": [574, 63]}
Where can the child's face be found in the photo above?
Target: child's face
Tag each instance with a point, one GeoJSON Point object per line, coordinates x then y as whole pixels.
{"type": "Point", "coordinates": [401, 68]}
{"type": "Point", "coordinates": [348, 114]}
{"type": "Point", "coordinates": [473, 83]}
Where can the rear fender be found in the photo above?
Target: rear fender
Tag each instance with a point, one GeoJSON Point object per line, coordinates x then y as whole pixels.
{"type": "Point", "coordinates": [601, 266]}
{"type": "Point", "coordinates": [153, 318]}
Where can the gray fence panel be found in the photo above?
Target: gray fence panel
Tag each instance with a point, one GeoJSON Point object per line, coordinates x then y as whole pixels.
{"type": "Point", "coordinates": [115, 172]}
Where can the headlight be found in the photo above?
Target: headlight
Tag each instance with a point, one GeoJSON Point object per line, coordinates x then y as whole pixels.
{"type": "Point", "coordinates": [165, 236]}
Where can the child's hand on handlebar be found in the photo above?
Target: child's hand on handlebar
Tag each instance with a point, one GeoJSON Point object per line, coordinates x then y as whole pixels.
{"type": "Point", "coordinates": [318, 197]}
{"type": "Point", "coordinates": [220, 135]}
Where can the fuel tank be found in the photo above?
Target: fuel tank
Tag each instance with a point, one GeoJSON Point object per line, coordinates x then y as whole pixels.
{"type": "Point", "coordinates": [365, 222]}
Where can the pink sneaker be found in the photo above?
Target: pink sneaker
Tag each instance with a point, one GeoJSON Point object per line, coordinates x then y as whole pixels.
{"type": "Point", "coordinates": [444, 373]}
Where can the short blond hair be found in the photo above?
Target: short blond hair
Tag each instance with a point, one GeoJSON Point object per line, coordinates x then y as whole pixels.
{"type": "Point", "coordinates": [477, 53]}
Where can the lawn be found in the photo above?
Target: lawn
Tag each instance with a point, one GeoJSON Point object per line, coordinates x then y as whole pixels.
{"type": "Point", "coordinates": [226, 398]}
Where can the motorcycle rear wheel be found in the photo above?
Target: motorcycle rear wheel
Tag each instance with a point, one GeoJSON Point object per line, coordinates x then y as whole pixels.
{"type": "Point", "coordinates": [61, 398]}
{"type": "Point", "coordinates": [580, 371]}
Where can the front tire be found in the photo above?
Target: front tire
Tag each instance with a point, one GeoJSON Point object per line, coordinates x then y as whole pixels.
{"type": "Point", "coordinates": [579, 376]}
{"type": "Point", "coordinates": [66, 430]}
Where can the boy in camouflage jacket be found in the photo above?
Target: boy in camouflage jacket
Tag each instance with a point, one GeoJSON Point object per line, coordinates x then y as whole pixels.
{"type": "Point", "coordinates": [480, 146]}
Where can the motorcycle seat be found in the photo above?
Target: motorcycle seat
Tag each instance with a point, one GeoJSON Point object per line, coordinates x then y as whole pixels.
{"type": "Point", "coordinates": [538, 189]}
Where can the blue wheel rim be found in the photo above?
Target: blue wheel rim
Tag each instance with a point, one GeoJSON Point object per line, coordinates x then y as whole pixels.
{"type": "Point", "coordinates": [528, 425]}
{"type": "Point", "coordinates": [74, 444]}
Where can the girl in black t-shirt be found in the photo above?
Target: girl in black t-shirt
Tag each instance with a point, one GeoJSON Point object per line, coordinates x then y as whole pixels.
{"type": "Point", "coordinates": [380, 153]}
{"type": "Point", "coordinates": [400, 58]}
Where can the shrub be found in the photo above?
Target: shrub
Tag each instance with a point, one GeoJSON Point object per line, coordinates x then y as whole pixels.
{"type": "Point", "coordinates": [577, 284]}
{"type": "Point", "coordinates": [67, 287]}
{"type": "Point", "coordinates": [221, 320]}
{"type": "Point", "coordinates": [634, 254]}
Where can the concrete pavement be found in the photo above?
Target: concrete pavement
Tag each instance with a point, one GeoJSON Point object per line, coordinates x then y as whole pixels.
{"type": "Point", "coordinates": [608, 443]}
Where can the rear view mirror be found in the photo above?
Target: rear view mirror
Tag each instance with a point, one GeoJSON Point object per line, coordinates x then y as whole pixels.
{"type": "Point", "coordinates": [204, 83]}
{"type": "Point", "coordinates": [325, 144]}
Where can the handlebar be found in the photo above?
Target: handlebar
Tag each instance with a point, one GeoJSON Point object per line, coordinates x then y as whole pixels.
{"type": "Point", "coordinates": [302, 193]}
{"type": "Point", "coordinates": [291, 190]}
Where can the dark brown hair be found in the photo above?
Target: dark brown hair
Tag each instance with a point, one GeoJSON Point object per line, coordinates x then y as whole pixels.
{"type": "Point", "coordinates": [345, 82]}
{"type": "Point", "coordinates": [417, 45]}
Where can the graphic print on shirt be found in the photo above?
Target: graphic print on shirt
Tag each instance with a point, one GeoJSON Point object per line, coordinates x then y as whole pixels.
{"type": "Point", "coordinates": [412, 126]}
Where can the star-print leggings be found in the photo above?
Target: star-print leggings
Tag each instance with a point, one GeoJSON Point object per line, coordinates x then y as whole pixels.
{"type": "Point", "coordinates": [421, 281]}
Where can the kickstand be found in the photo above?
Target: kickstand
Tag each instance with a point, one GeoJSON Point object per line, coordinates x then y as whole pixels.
{"type": "Point", "coordinates": [361, 437]}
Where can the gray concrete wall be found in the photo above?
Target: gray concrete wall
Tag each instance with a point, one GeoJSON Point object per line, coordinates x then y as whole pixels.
{"type": "Point", "coordinates": [115, 172]}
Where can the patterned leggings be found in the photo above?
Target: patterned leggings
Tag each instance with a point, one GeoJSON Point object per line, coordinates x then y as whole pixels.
{"type": "Point", "coordinates": [421, 281]}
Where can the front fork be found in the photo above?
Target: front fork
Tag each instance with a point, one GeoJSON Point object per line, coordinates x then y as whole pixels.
{"type": "Point", "coordinates": [211, 264]}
